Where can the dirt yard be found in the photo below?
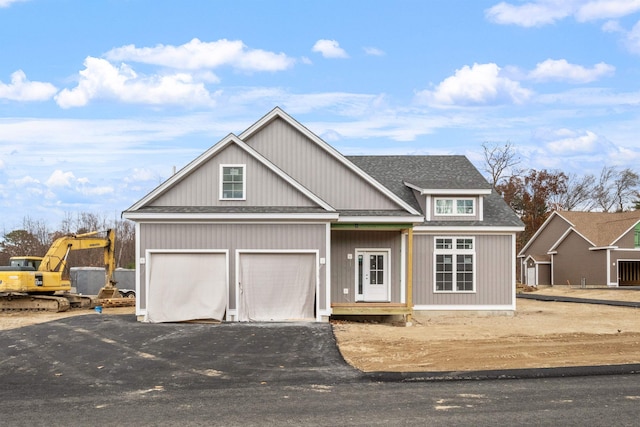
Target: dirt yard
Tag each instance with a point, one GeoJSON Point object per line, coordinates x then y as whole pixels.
{"type": "Point", "coordinates": [539, 334]}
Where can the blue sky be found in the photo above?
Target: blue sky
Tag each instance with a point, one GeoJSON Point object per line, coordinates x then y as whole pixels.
{"type": "Point", "coordinates": [99, 100]}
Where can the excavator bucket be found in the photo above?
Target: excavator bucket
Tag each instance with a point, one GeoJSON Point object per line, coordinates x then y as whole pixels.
{"type": "Point", "coordinates": [109, 291]}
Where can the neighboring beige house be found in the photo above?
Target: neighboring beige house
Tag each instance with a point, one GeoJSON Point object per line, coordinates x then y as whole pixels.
{"type": "Point", "coordinates": [584, 249]}
{"type": "Point", "coordinates": [275, 224]}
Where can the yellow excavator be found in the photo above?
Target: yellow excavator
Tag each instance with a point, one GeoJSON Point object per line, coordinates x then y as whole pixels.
{"type": "Point", "coordinates": [38, 283]}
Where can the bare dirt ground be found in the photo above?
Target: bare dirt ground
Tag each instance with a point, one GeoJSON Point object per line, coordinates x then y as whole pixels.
{"type": "Point", "coordinates": [539, 334]}
{"type": "Point", "coordinates": [11, 320]}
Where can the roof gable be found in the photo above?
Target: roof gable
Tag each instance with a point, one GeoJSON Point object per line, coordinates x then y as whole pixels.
{"type": "Point", "coordinates": [602, 228]}
{"type": "Point", "coordinates": [318, 166]}
{"type": "Point", "coordinates": [161, 194]}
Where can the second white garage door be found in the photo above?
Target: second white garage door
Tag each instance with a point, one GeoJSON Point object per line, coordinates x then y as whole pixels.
{"type": "Point", "coordinates": [277, 286]}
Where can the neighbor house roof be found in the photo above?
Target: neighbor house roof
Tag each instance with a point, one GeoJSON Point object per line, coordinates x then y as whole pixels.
{"type": "Point", "coordinates": [601, 228]}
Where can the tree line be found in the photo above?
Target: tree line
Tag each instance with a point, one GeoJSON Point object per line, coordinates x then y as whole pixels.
{"type": "Point", "coordinates": [34, 238]}
{"type": "Point", "coordinates": [534, 194]}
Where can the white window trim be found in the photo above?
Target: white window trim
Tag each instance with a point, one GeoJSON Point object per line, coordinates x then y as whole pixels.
{"type": "Point", "coordinates": [454, 251]}
{"type": "Point", "coordinates": [455, 205]}
{"type": "Point", "coordinates": [244, 181]}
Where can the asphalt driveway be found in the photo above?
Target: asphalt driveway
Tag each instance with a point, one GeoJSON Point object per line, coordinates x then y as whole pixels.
{"type": "Point", "coordinates": [88, 354]}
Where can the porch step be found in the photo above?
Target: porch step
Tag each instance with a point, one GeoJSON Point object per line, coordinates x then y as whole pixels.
{"type": "Point", "coordinates": [370, 308]}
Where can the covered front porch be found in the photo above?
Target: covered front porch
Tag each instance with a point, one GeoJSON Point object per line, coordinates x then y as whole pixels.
{"type": "Point", "coordinates": [371, 270]}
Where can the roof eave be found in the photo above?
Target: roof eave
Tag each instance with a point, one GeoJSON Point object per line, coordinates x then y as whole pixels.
{"type": "Point", "coordinates": [167, 216]}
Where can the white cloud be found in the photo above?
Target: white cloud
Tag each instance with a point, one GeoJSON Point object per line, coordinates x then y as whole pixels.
{"type": "Point", "coordinates": [606, 9]}
{"type": "Point", "coordinates": [141, 175]}
{"type": "Point", "coordinates": [565, 141]}
{"type": "Point", "coordinates": [543, 12]}
{"type": "Point", "coordinates": [21, 89]}
{"type": "Point", "coordinates": [329, 49]}
{"type": "Point", "coordinates": [95, 191]}
{"type": "Point", "coordinates": [7, 3]}
{"type": "Point", "coordinates": [101, 79]}
{"type": "Point", "coordinates": [531, 14]}
{"type": "Point", "coordinates": [632, 39]}
{"type": "Point", "coordinates": [476, 85]}
{"type": "Point", "coordinates": [560, 69]}
{"type": "Point", "coordinates": [196, 55]}
{"type": "Point", "coordinates": [25, 181]}
{"type": "Point", "coordinates": [373, 51]}
{"type": "Point", "coordinates": [60, 179]}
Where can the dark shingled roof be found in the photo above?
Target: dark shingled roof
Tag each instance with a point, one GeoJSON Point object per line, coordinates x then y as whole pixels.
{"type": "Point", "coordinates": [437, 173]}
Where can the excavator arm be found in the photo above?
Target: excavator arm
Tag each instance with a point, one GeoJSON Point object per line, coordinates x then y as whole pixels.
{"type": "Point", "coordinates": [55, 260]}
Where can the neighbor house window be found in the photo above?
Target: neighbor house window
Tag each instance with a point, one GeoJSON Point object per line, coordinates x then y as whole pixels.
{"type": "Point", "coordinates": [232, 182]}
{"type": "Point", "coordinates": [454, 264]}
{"type": "Point", "coordinates": [457, 206]}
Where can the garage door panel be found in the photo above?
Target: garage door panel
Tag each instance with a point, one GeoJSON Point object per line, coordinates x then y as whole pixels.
{"type": "Point", "coordinates": [186, 286]}
{"type": "Point", "coordinates": [277, 286]}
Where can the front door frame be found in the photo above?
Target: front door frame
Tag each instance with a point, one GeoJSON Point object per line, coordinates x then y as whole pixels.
{"type": "Point", "coordinates": [360, 291]}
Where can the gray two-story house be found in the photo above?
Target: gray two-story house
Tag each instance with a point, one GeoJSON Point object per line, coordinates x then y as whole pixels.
{"type": "Point", "coordinates": [275, 224]}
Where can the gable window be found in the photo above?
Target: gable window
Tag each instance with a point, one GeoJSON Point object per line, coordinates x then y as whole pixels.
{"type": "Point", "coordinates": [455, 206]}
{"type": "Point", "coordinates": [454, 264]}
{"type": "Point", "coordinates": [232, 182]}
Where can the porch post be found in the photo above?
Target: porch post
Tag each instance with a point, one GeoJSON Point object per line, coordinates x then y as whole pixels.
{"type": "Point", "coordinates": [409, 297]}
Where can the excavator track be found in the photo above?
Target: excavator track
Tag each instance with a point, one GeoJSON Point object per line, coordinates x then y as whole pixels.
{"type": "Point", "coordinates": [25, 302]}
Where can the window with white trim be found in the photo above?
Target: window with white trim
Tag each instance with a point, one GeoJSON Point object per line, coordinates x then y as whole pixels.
{"type": "Point", "coordinates": [454, 264]}
{"type": "Point", "coordinates": [232, 182]}
{"type": "Point", "coordinates": [455, 206]}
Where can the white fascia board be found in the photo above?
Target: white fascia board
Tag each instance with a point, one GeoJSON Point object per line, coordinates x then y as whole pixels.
{"type": "Point", "coordinates": [159, 190]}
{"type": "Point", "coordinates": [537, 233]}
{"type": "Point", "coordinates": [463, 229]}
{"type": "Point", "coordinates": [625, 232]}
{"type": "Point", "coordinates": [278, 112]}
{"type": "Point", "coordinates": [207, 155]}
{"type": "Point", "coordinates": [449, 192]}
{"type": "Point", "coordinates": [455, 192]}
{"type": "Point", "coordinates": [142, 216]}
{"type": "Point", "coordinates": [285, 176]}
{"type": "Point", "coordinates": [600, 248]}
{"type": "Point", "coordinates": [569, 230]}
{"type": "Point", "coordinates": [380, 219]}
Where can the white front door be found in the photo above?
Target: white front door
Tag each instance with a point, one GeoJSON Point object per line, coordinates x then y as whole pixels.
{"type": "Point", "coordinates": [372, 275]}
{"type": "Point", "coordinates": [531, 276]}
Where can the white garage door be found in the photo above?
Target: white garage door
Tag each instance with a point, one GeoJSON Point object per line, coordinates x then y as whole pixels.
{"type": "Point", "coordinates": [186, 286]}
{"type": "Point", "coordinates": [276, 286]}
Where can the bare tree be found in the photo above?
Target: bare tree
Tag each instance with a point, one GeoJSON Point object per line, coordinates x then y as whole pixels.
{"type": "Point", "coordinates": [578, 193]}
{"type": "Point", "coordinates": [616, 188]}
{"type": "Point", "coordinates": [603, 194]}
{"type": "Point", "coordinates": [499, 159]}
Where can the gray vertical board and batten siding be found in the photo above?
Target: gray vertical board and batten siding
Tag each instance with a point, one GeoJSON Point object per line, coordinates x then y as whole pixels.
{"type": "Point", "coordinates": [234, 236]}
{"type": "Point", "coordinates": [316, 169]}
{"type": "Point", "coordinates": [343, 270]}
{"type": "Point", "coordinates": [263, 186]}
{"type": "Point", "coordinates": [494, 283]}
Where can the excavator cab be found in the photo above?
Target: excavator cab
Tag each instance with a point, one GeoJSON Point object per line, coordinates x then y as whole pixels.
{"type": "Point", "coordinates": [25, 263]}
